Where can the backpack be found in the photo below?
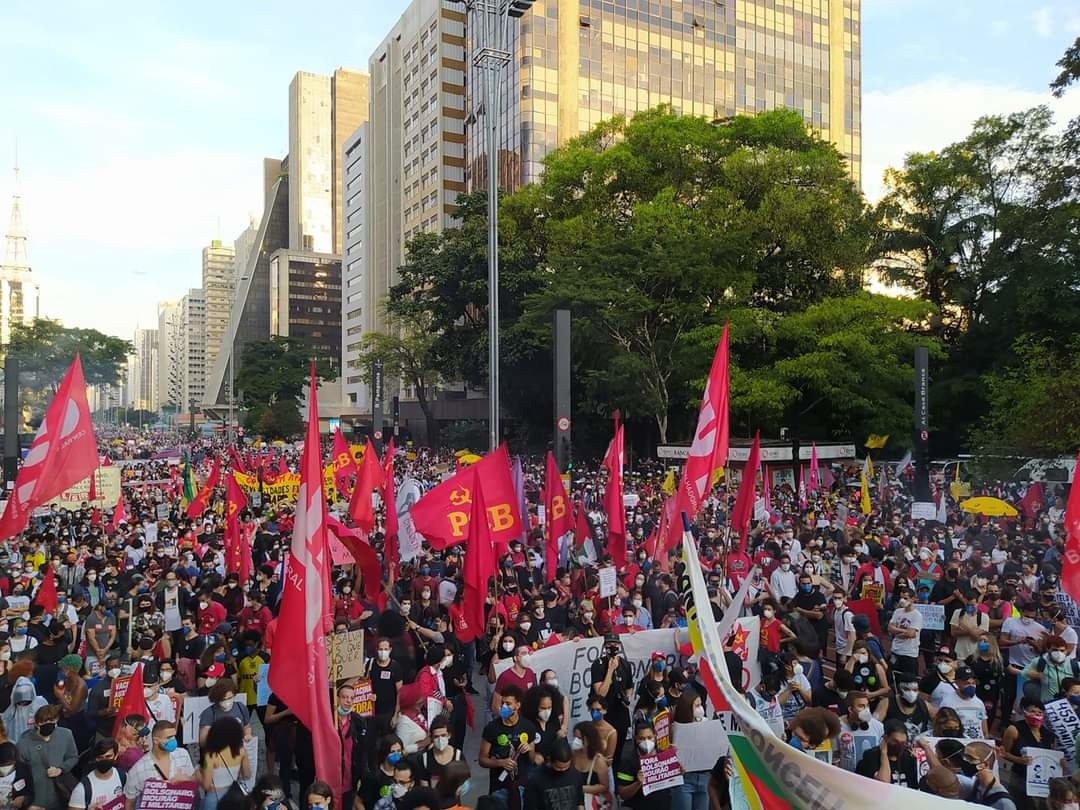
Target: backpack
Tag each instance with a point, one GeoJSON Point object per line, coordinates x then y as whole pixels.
{"type": "Point", "coordinates": [1033, 689]}
{"type": "Point", "coordinates": [88, 790]}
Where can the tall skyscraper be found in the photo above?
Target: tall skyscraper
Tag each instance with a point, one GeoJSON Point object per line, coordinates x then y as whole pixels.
{"type": "Point", "coordinates": [355, 277]}
{"type": "Point", "coordinates": [242, 246]}
{"type": "Point", "coordinates": [578, 62]}
{"type": "Point", "coordinates": [143, 370]}
{"type": "Point", "coordinates": [193, 348]}
{"type": "Point", "coordinates": [219, 286]}
{"type": "Point", "coordinates": [18, 290]}
{"type": "Point", "coordinates": [170, 357]}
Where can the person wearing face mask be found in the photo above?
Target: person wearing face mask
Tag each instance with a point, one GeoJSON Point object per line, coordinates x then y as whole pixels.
{"type": "Point", "coordinates": [906, 705]}
{"type": "Point", "coordinates": [843, 620]}
{"type": "Point", "coordinates": [590, 761]}
{"type": "Point", "coordinates": [223, 703]}
{"type": "Point", "coordinates": [629, 779]}
{"type": "Point", "coordinates": [540, 626]}
{"type": "Point", "coordinates": [519, 676]}
{"type": "Point", "coordinates": [99, 630]}
{"type": "Point", "coordinates": [158, 704]}
{"type": "Point", "coordinates": [557, 785]}
{"type": "Point", "coordinates": [98, 703]}
{"type": "Point", "coordinates": [938, 682]}
{"type": "Point", "coordinates": [15, 785]}
{"type": "Point", "coordinates": [1062, 795]}
{"type": "Point", "coordinates": [809, 603]}
{"type": "Point", "coordinates": [1028, 732]}
{"type": "Point", "coordinates": [612, 679]}
{"type": "Point", "coordinates": [50, 754]}
{"type": "Point", "coordinates": [978, 763]}
{"type": "Point", "coordinates": [506, 749]}
{"type": "Point", "coordinates": [25, 702]}
{"type": "Point", "coordinates": [319, 796]}
{"type": "Point", "coordinates": [968, 624]}
{"type": "Point", "coordinates": [453, 785]}
{"type": "Point", "coordinates": [796, 684]}
{"type": "Point", "coordinates": [693, 793]}
{"type": "Point", "coordinates": [857, 721]}
{"type": "Point", "coordinates": [376, 781]}
{"type": "Point", "coordinates": [905, 627]}
{"type": "Point", "coordinates": [1045, 674]}
{"type": "Point", "coordinates": [891, 761]}
{"type": "Point", "coordinates": [225, 763]}
{"type": "Point", "coordinates": [783, 580]}
{"type": "Point", "coordinates": [540, 708]}
{"type": "Point", "coordinates": [352, 731]}
{"type": "Point", "coordinates": [435, 760]}
{"type": "Point", "coordinates": [964, 699]}
{"type": "Point", "coordinates": [386, 679]}
{"type": "Point", "coordinates": [773, 633]}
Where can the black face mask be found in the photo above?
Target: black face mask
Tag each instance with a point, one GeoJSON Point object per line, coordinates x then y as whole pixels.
{"type": "Point", "coordinates": [46, 729]}
{"type": "Point", "coordinates": [968, 768]}
{"type": "Point", "coordinates": [104, 765]}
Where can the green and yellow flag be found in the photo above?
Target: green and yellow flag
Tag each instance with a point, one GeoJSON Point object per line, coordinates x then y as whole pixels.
{"type": "Point", "coordinates": [191, 488]}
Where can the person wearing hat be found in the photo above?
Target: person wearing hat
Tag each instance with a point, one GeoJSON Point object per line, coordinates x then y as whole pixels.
{"type": "Point", "coordinates": [936, 682]}
{"type": "Point", "coordinates": [891, 761]}
{"type": "Point", "coordinates": [157, 702]}
{"type": "Point", "coordinates": [71, 692]}
{"type": "Point", "coordinates": [963, 698]}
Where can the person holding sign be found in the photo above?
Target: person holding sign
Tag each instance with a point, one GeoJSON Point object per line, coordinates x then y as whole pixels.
{"type": "Point", "coordinates": [1028, 733]}
{"type": "Point", "coordinates": [630, 780]}
{"type": "Point", "coordinates": [165, 761]}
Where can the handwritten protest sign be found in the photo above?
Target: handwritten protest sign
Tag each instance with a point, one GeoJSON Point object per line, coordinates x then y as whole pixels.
{"type": "Point", "coordinates": [933, 616]}
{"type": "Point", "coordinates": [347, 655]}
{"type": "Point", "coordinates": [1045, 765]}
{"type": "Point", "coordinates": [363, 698]}
{"type": "Point", "coordinates": [662, 727]}
{"type": "Point", "coordinates": [193, 709]}
{"type": "Point", "coordinates": [607, 581]}
{"type": "Point", "coordinates": [661, 771]}
{"type": "Point", "coordinates": [1062, 720]}
{"type": "Point", "coordinates": [157, 794]}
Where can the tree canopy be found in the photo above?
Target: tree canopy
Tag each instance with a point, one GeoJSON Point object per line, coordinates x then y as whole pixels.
{"type": "Point", "coordinates": [271, 379]}
{"type": "Point", "coordinates": [45, 349]}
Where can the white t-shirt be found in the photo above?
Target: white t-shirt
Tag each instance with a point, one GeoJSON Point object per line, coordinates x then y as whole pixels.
{"type": "Point", "coordinates": [162, 708]}
{"type": "Point", "coordinates": [972, 712]}
{"type": "Point", "coordinates": [101, 790]}
{"type": "Point", "coordinates": [843, 623]}
{"type": "Point", "coordinates": [852, 743]}
{"type": "Point", "coordinates": [907, 620]}
{"type": "Point", "coordinates": [1020, 655]}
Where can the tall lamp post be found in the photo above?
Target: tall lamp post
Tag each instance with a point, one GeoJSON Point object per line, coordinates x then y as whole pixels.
{"type": "Point", "coordinates": [490, 22]}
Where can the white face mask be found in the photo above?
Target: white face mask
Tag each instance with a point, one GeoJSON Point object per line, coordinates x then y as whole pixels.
{"type": "Point", "coordinates": [798, 668]}
{"type": "Point", "coordinates": [210, 682]}
{"type": "Point", "coordinates": [227, 704]}
{"type": "Point", "coordinates": [699, 713]}
{"type": "Point", "coordinates": [114, 672]}
{"type": "Point", "coordinates": [944, 667]}
{"type": "Point", "coordinates": [646, 746]}
{"type": "Point", "coordinates": [508, 645]}
{"type": "Point", "coordinates": [1058, 657]}
{"type": "Point", "coordinates": [150, 692]}
{"type": "Point", "coordinates": [397, 791]}
{"type": "Point", "coordinates": [526, 660]}
{"type": "Point", "coordinates": [552, 682]}
{"type": "Point", "coordinates": [861, 658]}
{"type": "Point", "coordinates": [637, 603]}
{"type": "Point", "coordinates": [383, 655]}
{"type": "Point", "coordinates": [6, 769]}
{"type": "Point", "coordinates": [166, 676]}
{"type": "Point", "coordinates": [576, 744]}
{"type": "Point", "coordinates": [544, 714]}
{"type": "Point", "coordinates": [768, 614]}
{"type": "Point", "coordinates": [441, 743]}
{"type": "Point", "coordinates": [909, 695]}
{"type": "Point", "coordinates": [525, 626]}
{"type": "Point", "coordinates": [864, 715]}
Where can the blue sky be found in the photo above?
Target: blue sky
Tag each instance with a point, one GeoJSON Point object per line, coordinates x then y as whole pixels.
{"type": "Point", "coordinates": [142, 125]}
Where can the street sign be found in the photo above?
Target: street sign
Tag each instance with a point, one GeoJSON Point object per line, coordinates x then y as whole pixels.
{"type": "Point", "coordinates": [378, 435]}
{"type": "Point", "coordinates": [564, 423]}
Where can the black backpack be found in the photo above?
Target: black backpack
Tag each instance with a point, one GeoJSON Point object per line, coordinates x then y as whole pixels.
{"type": "Point", "coordinates": [88, 790]}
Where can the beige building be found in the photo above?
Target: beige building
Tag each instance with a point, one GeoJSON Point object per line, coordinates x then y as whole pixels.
{"type": "Point", "coordinates": [219, 287]}
{"type": "Point", "coordinates": [578, 62]}
{"type": "Point", "coordinates": [193, 348]}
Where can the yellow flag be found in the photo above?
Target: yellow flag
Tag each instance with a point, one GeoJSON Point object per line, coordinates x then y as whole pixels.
{"type": "Point", "coordinates": [868, 467]}
{"type": "Point", "coordinates": [876, 442]}
{"type": "Point", "coordinates": [865, 499]}
{"type": "Point", "coordinates": [717, 474]}
{"type": "Point", "coordinates": [669, 483]}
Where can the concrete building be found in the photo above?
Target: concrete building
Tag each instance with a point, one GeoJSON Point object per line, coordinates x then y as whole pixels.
{"type": "Point", "coordinates": [19, 303]}
{"type": "Point", "coordinates": [242, 247]}
{"type": "Point", "coordinates": [143, 371]}
{"type": "Point", "coordinates": [219, 287]}
{"type": "Point", "coordinates": [578, 62]}
{"type": "Point", "coordinates": [170, 357]}
{"type": "Point", "coordinates": [355, 296]}
{"type": "Point", "coordinates": [193, 348]}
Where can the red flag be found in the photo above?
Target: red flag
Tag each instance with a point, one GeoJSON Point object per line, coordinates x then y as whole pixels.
{"type": "Point", "coordinates": [235, 501]}
{"type": "Point", "coordinates": [119, 513]}
{"type": "Point", "coordinates": [344, 464]}
{"type": "Point", "coordinates": [205, 495]}
{"type": "Point", "coordinates": [613, 498]}
{"type": "Point", "coordinates": [444, 514]}
{"type": "Point", "coordinates": [369, 479]}
{"type": "Point", "coordinates": [582, 531]}
{"type": "Point", "coordinates": [391, 553]}
{"type": "Point", "coordinates": [709, 450]}
{"type": "Point", "coordinates": [92, 495]}
{"type": "Point", "coordinates": [126, 693]}
{"type": "Point", "coordinates": [237, 460]}
{"type": "Point", "coordinates": [303, 684]}
{"type": "Point", "coordinates": [282, 464]}
{"type": "Point", "coordinates": [556, 515]}
{"type": "Point", "coordinates": [63, 453]}
{"type": "Point", "coordinates": [744, 501]}
{"type": "Point", "coordinates": [480, 559]}
{"type": "Point", "coordinates": [46, 592]}
{"type": "Point", "coordinates": [106, 461]}
{"type": "Point", "coordinates": [1032, 503]}
{"type": "Point", "coordinates": [1070, 568]}
{"type": "Point", "coordinates": [363, 553]}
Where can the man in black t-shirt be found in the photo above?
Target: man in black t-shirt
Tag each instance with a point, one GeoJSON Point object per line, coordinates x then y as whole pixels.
{"type": "Point", "coordinates": [810, 604]}
{"type": "Point", "coordinates": [386, 676]}
{"type": "Point", "coordinates": [556, 785]}
{"type": "Point", "coordinates": [611, 677]}
{"type": "Point", "coordinates": [506, 748]}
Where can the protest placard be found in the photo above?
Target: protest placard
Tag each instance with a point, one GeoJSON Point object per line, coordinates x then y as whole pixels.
{"type": "Point", "coordinates": [363, 698]}
{"type": "Point", "coordinates": [115, 803]}
{"type": "Point", "coordinates": [262, 685]}
{"type": "Point", "coordinates": [117, 690]}
{"type": "Point", "coordinates": [1045, 765]}
{"type": "Point", "coordinates": [251, 747]}
{"type": "Point", "coordinates": [157, 794]}
{"type": "Point", "coordinates": [347, 655]}
{"type": "Point", "coordinates": [1063, 721]}
{"type": "Point", "coordinates": [608, 581]}
{"type": "Point", "coordinates": [874, 592]}
{"type": "Point", "coordinates": [662, 727]}
{"type": "Point", "coordinates": [699, 743]}
{"type": "Point", "coordinates": [661, 771]}
{"type": "Point", "coordinates": [193, 709]}
{"type": "Point", "coordinates": [933, 616]}
{"type": "Point", "coordinates": [162, 511]}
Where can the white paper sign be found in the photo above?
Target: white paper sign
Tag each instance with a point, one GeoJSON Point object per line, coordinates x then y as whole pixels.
{"type": "Point", "coordinates": [933, 616]}
{"type": "Point", "coordinates": [923, 510]}
{"type": "Point", "coordinates": [1062, 720]}
{"type": "Point", "coordinates": [192, 710]}
{"type": "Point", "coordinates": [252, 748]}
{"type": "Point", "coordinates": [697, 743]}
{"type": "Point", "coordinates": [1045, 765]}
{"type": "Point", "coordinates": [607, 581]}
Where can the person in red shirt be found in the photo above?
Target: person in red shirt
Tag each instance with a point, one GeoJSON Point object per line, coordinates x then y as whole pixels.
{"type": "Point", "coordinates": [873, 573]}
{"type": "Point", "coordinates": [256, 616]}
{"type": "Point", "coordinates": [210, 614]}
{"type": "Point", "coordinates": [773, 631]}
{"type": "Point", "coordinates": [519, 674]}
{"type": "Point", "coordinates": [628, 622]}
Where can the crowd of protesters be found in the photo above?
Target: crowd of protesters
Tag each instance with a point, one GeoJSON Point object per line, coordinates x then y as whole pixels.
{"type": "Point", "coordinates": [154, 590]}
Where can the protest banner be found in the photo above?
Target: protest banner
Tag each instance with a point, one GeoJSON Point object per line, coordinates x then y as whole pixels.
{"type": "Point", "coordinates": [157, 794]}
{"type": "Point", "coordinates": [571, 661]}
{"type": "Point", "coordinates": [1045, 765]}
{"type": "Point", "coordinates": [347, 655]}
{"type": "Point", "coordinates": [607, 581]}
{"type": "Point", "coordinates": [107, 485]}
{"type": "Point", "coordinates": [933, 616]}
{"type": "Point", "coordinates": [193, 709]}
{"type": "Point", "coordinates": [363, 698]}
{"type": "Point", "coordinates": [661, 771]}
{"type": "Point", "coordinates": [662, 726]}
{"type": "Point", "coordinates": [117, 690]}
{"type": "Point", "coordinates": [1063, 721]}
{"type": "Point", "coordinates": [699, 743]}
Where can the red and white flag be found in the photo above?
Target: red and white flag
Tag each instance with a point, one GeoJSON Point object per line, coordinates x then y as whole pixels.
{"type": "Point", "coordinates": [306, 615]}
{"type": "Point", "coordinates": [62, 454]}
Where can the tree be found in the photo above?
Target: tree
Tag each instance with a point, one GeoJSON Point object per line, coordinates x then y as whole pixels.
{"type": "Point", "coordinates": [45, 349]}
{"type": "Point", "coordinates": [406, 353]}
{"type": "Point", "coordinates": [280, 420]}
{"type": "Point", "coordinates": [272, 377]}
{"type": "Point", "coordinates": [1070, 70]}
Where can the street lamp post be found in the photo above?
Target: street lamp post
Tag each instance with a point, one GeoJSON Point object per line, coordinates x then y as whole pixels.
{"type": "Point", "coordinates": [490, 20]}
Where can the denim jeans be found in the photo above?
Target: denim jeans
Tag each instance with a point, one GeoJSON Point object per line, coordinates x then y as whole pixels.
{"type": "Point", "coordinates": [693, 793]}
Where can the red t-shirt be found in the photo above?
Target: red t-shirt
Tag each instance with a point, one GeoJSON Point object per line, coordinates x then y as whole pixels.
{"type": "Point", "coordinates": [523, 682]}
{"type": "Point", "coordinates": [210, 618]}
{"type": "Point", "coordinates": [770, 635]}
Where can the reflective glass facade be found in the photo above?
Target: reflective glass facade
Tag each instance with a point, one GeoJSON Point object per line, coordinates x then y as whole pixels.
{"type": "Point", "coordinates": [577, 62]}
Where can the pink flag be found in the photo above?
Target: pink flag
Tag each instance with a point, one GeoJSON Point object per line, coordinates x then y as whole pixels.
{"type": "Point", "coordinates": [743, 509]}
{"type": "Point", "coordinates": [613, 498]}
{"type": "Point", "coordinates": [813, 482]}
{"type": "Point", "coordinates": [303, 682]}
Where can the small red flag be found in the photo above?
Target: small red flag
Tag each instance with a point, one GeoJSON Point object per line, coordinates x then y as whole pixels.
{"type": "Point", "coordinates": [126, 694]}
{"type": "Point", "coordinates": [344, 464]}
{"type": "Point", "coordinates": [391, 551]}
{"type": "Point", "coordinates": [556, 516]}
{"type": "Point", "coordinates": [613, 499]}
{"type": "Point", "coordinates": [369, 479]}
{"type": "Point", "coordinates": [743, 509]}
{"type": "Point", "coordinates": [205, 495]}
{"type": "Point", "coordinates": [92, 496]}
{"type": "Point", "coordinates": [119, 514]}
{"type": "Point", "coordinates": [46, 592]}
{"type": "Point", "coordinates": [582, 530]}
{"type": "Point", "coordinates": [235, 502]}
{"type": "Point", "coordinates": [363, 553]}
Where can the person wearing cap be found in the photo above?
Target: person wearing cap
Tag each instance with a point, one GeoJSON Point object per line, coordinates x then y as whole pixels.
{"type": "Point", "coordinates": [942, 675]}
{"type": "Point", "coordinates": [158, 703]}
{"type": "Point", "coordinates": [891, 761]}
{"type": "Point", "coordinates": [964, 699]}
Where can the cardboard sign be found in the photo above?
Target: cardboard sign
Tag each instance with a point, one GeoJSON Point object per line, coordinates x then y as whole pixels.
{"type": "Point", "coordinates": [117, 691]}
{"type": "Point", "coordinates": [874, 592]}
{"type": "Point", "coordinates": [1062, 720]}
{"type": "Point", "coordinates": [1045, 765]}
{"type": "Point", "coordinates": [363, 698]}
{"type": "Point", "coordinates": [157, 794]}
{"type": "Point", "coordinates": [662, 727]}
{"type": "Point", "coordinates": [607, 581]}
{"type": "Point", "coordinates": [189, 719]}
{"type": "Point", "coordinates": [347, 655]}
{"type": "Point", "coordinates": [661, 771]}
{"type": "Point", "coordinates": [933, 616]}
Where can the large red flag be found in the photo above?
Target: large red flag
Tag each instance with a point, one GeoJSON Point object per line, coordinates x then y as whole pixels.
{"type": "Point", "coordinates": [613, 498]}
{"type": "Point", "coordinates": [443, 515]}
{"type": "Point", "coordinates": [344, 464]}
{"type": "Point", "coordinates": [205, 496]}
{"type": "Point", "coordinates": [709, 450]}
{"type": "Point", "coordinates": [235, 501]}
{"type": "Point", "coordinates": [1032, 503]}
{"type": "Point", "coordinates": [1070, 567]}
{"type": "Point", "coordinates": [480, 559]}
{"type": "Point", "coordinates": [391, 552]}
{"type": "Point", "coordinates": [119, 514]}
{"type": "Point", "coordinates": [363, 553]}
{"type": "Point", "coordinates": [556, 516]}
{"type": "Point", "coordinates": [582, 530]}
{"type": "Point", "coordinates": [63, 453]}
{"type": "Point", "coordinates": [369, 479]}
{"type": "Point", "coordinates": [744, 501]}
{"type": "Point", "coordinates": [46, 592]}
{"type": "Point", "coordinates": [300, 674]}
{"type": "Point", "coordinates": [129, 692]}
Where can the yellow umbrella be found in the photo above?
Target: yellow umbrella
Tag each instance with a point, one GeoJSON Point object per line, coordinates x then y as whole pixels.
{"type": "Point", "coordinates": [991, 507]}
{"type": "Point", "coordinates": [460, 453]}
{"type": "Point", "coordinates": [469, 458]}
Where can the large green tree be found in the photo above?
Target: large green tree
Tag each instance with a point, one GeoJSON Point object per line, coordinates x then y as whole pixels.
{"type": "Point", "coordinates": [271, 378]}
{"type": "Point", "coordinates": [45, 349]}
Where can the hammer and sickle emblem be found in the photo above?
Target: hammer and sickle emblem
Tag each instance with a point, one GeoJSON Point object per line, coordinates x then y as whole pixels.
{"type": "Point", "coordinates": [460, 497]}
